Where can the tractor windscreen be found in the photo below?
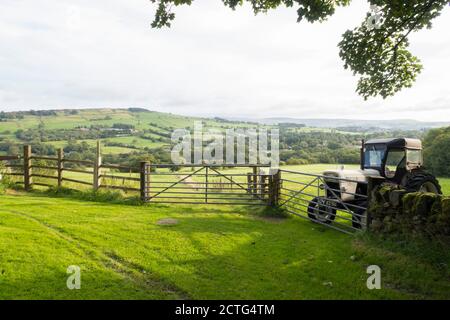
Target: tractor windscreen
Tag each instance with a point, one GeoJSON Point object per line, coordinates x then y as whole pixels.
{"type": "Point", "coordinates": [374, 155]}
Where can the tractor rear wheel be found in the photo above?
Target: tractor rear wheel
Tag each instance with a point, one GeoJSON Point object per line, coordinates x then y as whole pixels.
{"type": "Point", "coordinates": [319, 211]}
{"type": "Point", "coordinates": [420, 181]}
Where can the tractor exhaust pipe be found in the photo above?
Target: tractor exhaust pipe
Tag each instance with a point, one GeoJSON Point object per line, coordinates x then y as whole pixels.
{"type": "Point", "coordinates": [361, 160]}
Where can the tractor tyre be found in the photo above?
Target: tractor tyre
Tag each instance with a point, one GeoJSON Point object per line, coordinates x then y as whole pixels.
{"type": "Point", "coordinates": [420, 181]}
{"type": "Point", "coordinates": [359, 219]}
{"type": "Point", "coordinates": [318, 211]}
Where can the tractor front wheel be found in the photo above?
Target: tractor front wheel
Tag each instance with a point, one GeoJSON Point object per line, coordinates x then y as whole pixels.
{"type": "Point", "coordinates": [319, 211]}
{"type": "Point", "coordinates": [419, 181]}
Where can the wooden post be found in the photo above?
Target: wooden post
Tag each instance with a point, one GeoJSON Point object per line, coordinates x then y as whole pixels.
{"type": "Point", "coordinates": [60, 166]}
{"type": "Point", "coordinates": [97, 165]}
{"type": "Point", "coordinates": [249, 182]}
{"type": "Point", "coordinates": [255, 181]}
{"type": "Point", "coordinates": [271, 190]}
{"type": "Point", "coordinates": [206, 186]}
{"type": "Point", "coordinates": [372, 183]}
{"type": "Point", "coordinates": [144, 180]}
{"type": "Point", "coordinates": [263, 186]}
{"type": "Point", "coordinates": [362, 156]}
{"type": "Point", "coordinates": [27, 179]}
{"type": "Point", "coordinates": [277, 183]}
{"type": "Point", "coordinates": [274, 187]}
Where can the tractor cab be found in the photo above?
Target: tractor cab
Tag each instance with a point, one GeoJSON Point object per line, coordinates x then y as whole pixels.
{"type": "Point", "coordinates": [392, 158]}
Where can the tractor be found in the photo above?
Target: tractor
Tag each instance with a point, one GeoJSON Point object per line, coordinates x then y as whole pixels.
{"type": "Point", "coordinates": [397, 161]}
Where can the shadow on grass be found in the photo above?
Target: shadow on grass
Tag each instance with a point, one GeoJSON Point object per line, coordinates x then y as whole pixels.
{"type": "Point", "coordinates": [105, 196]}
{"type": "Point", "coordinates": [228, 252]}
{"type": "Point", "coordinates": [221, 257]}
{"type": "Point", "coordinates": [436, 253]}
{"type": "Point", "coordinates": [108, 197]}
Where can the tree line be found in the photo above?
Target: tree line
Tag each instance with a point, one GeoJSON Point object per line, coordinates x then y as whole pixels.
{"type": "Point", "coordinates": [296, 146]}
{"type": "Point", "coordinates": [436, 151]}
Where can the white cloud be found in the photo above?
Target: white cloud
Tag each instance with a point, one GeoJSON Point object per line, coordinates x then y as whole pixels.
{"type": "Point", "coordinates": [213, 61]}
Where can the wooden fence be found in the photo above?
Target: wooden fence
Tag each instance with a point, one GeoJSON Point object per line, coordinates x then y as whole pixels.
{"type": "Point", "coordinates": [162, 183]}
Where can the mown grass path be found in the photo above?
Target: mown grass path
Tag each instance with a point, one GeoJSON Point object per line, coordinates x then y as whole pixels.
{"type": "Point", "coordinates": [213, 252]}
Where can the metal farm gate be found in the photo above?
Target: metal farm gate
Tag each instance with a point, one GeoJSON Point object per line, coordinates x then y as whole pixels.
{"type": "Point", "coordinates": [323, 200]}
{"type": "Point", "coordinates": [207, 184]}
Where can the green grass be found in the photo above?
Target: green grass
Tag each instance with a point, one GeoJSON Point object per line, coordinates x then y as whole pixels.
{"type": "Point", "coordinates": [445, 185]}
{"type": "Point", "coordinates": [130, 140]}
{"type": "Point", "coordinates": [105, 149]}
{"type": "Point", "coordinates": [214, 252]}
{"type": "Point", "coordinates": [137, 142]}
{"type": "Point", "coordinates": [326, 130]}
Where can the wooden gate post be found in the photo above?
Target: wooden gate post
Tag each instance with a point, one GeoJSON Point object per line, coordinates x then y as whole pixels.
{"type": "Point", "coordinates": [206, 184]}
{"type": "Point", "coordinates": [274, 187]}
{"type": "Point", "coordinates": [249, 183]}
{"type": "Point", "coordinates": [144, 180]}
{"type": "Point", "coordinates": [60, 166]}
{"type": "Point", "coordinates": [255, 181]}
{"type": "Point", "coordinates": [271, 190]}
{"type": "Point", "coordinates": [277, 182]}
{"type": "Point", "coordinates": [27, 178]}
{"type": "Point", "coordinates": [97, 165]}
{"type": "Point", "coordinates": [263, 186]}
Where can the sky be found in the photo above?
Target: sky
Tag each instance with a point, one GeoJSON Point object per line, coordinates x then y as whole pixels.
{"type": "Point", "coordinates": [212, 62]}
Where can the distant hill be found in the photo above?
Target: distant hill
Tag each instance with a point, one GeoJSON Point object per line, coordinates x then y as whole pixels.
{"type": "Point", "coordinates": [373, 125]}
{"type": "Point", "coordinates": [141, 117]}
{"type": "Point", "coordinates": [121, 131]}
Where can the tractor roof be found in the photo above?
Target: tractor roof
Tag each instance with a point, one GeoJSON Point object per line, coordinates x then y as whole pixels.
{"type": "Point", "coordinates": [398, 143]}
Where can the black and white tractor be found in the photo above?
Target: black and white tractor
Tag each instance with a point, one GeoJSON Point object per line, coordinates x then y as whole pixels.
{"type": "Point", "coordinates": [396, 161]}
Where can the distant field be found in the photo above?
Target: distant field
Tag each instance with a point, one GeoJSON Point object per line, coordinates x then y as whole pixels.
{"type": "Point", "coordinates": [92, 143]}
{"type": "Point", "coordinates": [330, 130]}
{"type": "Point", "coordinates": [131, 140]}
{"type": "Point", "coordinates": [137, 142]}
{"type": "Point", "coordinates": [160, 123]}
{"type": "Point", "coordinates": [108, 117]}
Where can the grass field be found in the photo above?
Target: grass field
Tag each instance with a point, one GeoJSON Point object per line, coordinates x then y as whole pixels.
{"type": "Point", "coordinates": [212, 253]}
{"type": "Point", "coordinates": [134, 141]}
